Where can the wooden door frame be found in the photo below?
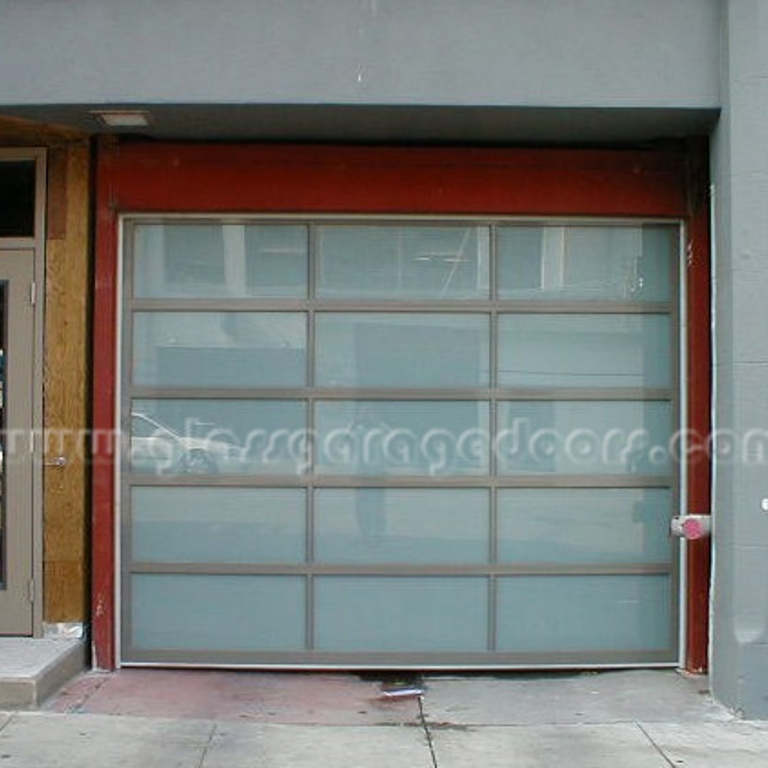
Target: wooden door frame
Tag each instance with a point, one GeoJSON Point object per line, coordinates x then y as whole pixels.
{"type": "Point", "coordinates": [192, 178]}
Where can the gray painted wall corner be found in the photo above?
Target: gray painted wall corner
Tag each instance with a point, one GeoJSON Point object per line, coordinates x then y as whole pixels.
{"type": "Point", "coordinates": [740, 164]}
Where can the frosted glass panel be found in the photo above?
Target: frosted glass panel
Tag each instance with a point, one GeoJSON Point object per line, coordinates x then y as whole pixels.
{"type": "Point", "coordinates": [544, 614]}
{"type": "Point", "coordinates": [394, 262]}
{"type": "Point", "coordinates": [623, 263]}
{"type": "Point", "coordinates": [368, 511]}
{"type": "Point", "coordinates": [218, 437]}
{"type": "Point", "coordinates": [370, 437]}
{"type": "Point", "coordinates": [378, 613]}
{"type": "Point", "coordinates": [377, 525]}
{"type": "Point", "coordinates": [585, 351]}
{"type": "Point", "coordinates": [217, 613]}
{"type": "Point", "coordinates": [210, 260]}
{"type": "Point", "coordinates": [224, 525]}
{"type": "Point", "coordinates": [402, 350]}
{"type": "Point", "coordinates": [584, 525]}
{"type": "Point", "coordinates": [220, 349]}
{"type": "Point", "coordinates": [569, 437]}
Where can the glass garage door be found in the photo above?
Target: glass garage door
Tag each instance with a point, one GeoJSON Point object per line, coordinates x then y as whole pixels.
{"type": "Point", "coordinates": [393, 443]}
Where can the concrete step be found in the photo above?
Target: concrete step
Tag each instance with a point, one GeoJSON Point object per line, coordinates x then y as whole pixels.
{"type": "Point", "coordinates": [32, 669]}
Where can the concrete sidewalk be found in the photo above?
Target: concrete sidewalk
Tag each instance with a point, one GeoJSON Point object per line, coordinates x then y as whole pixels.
{"type": "Point", "coordinates": [643, 719]}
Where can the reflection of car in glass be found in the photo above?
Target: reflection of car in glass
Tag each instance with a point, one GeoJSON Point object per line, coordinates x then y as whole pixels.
{"type": "Point", "coordinates": [157, 448]}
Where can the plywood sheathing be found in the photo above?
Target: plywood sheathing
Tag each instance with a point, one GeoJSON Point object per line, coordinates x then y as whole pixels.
{"type": "Point", "coordinates": [66, 385]}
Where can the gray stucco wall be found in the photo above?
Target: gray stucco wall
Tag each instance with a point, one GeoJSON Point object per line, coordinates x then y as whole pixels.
{"type": "Point", "coordinates": [609, 53]}
{"type": "Point", "coordinates": [740, 154]}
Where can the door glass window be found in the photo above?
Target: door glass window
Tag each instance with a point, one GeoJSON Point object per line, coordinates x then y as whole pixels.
{"type": "Point", "coordinates": [398, 263]}
{"type": "Point", "coordinates": [211, 260]}
{"type": "Point", "coordinates": [402, 349]}
{"type": "Point", "coordinates": [220, 349]}
{"type": "Point", "coordinates": [583, 350]}
{"type": "Point", "coordinates": [628, 263]}
{"type": "Point", "coordinates": [17, 198]}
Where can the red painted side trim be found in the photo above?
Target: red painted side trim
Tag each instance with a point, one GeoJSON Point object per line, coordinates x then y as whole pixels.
{"type": "Point", "coordinates": [187, 178]}
{"type": "Point", "coordinates": [103, 448]}
{"type": "Point", "coordinates": [699, 406]}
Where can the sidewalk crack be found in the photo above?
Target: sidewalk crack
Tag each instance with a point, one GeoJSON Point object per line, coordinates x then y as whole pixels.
{"type": "Point", "coordinates": [79, 706]}
{"type": "Point", "coordinates": [207, 746]}
{"type": "Point", "coordinates": [656, 746]}
{"type": "Point", "coordinates": [427, 732]}
{"type": "Point", "coordinates": [12, 716]}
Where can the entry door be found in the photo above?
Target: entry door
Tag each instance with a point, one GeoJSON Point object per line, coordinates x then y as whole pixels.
{"type": "Point", "coordinates": [16, 377]}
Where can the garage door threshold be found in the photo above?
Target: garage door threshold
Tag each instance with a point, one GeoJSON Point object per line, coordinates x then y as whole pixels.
{"type": "Point", "coordinates": [32, 669]}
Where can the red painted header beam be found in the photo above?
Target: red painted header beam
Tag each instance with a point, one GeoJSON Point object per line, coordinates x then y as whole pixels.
{"type": "Point", "coordinates": [236, 178]}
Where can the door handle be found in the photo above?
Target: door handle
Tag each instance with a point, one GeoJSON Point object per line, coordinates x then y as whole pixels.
{"type": "Point", "coordinates": [59, 461]}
